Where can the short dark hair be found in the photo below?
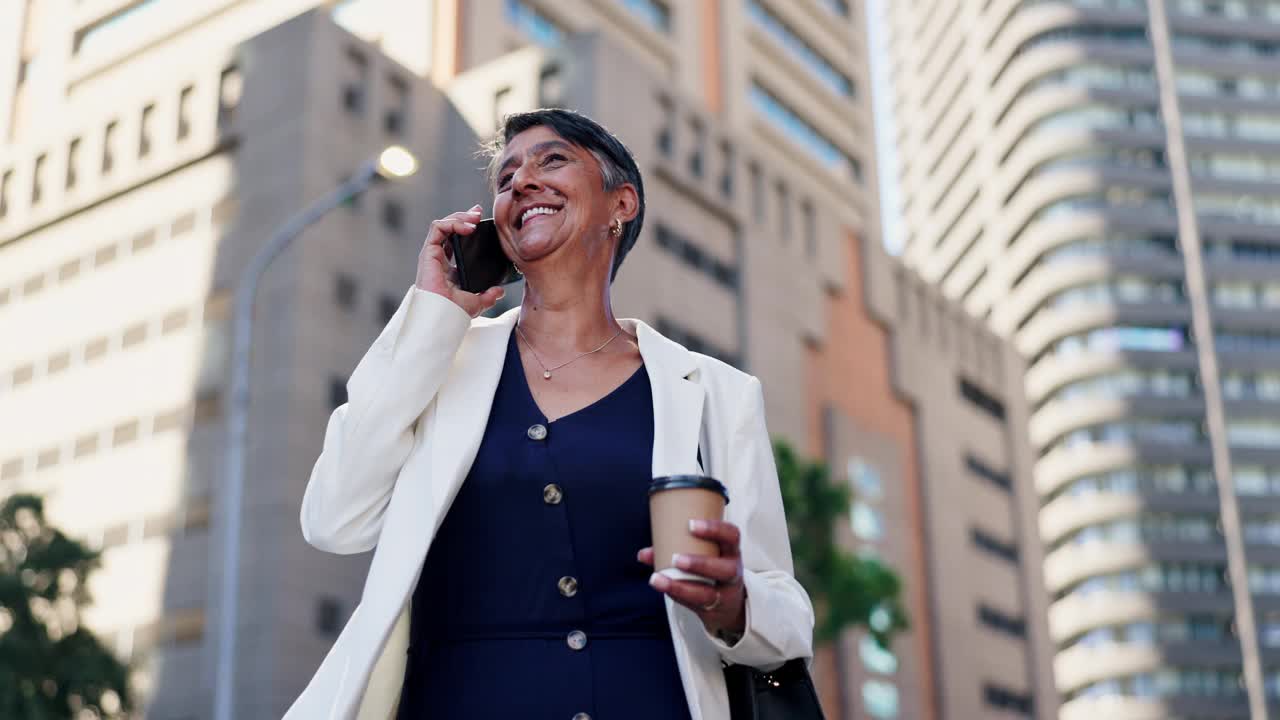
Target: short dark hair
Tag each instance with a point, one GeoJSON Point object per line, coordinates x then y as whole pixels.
{"type": "Point", "coordinates": [617, 165]}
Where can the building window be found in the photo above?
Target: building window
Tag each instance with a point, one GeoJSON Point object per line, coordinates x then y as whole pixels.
{"type": "Point", "coordinates": [551, 86]}
{"type": "Point", "coordinates": [865, 479]}
{"type": "Point", "coordinates": [810, 229]}
{"type": "Point", "coordinates": [344, 291]}
{"type": "Point", "coordinates": [111, 28]}
{"type": "Point", "coordinates": [757, 190]}
{"type": "Point", "coordinates": [1006, 699]}
{"type": "Point", "coordinates": [503, 105]}
{"type": "Point", "coordinates": [387, 306]}
{"type": "Point", "coordinates": [666, 144]}
{"type": "Point", "coordinates": [813, 61]}
{"type": "Point", "coordinates": [144, 130]}
{"type": "Point", "coordinates": [230, 91]}
{"type": "Point", "coordinates": [799, 131]}
{"type": "Point", "coordinates": [393, 215]}
{"type": "Point", "coordinates": [73, 162]}
{"type": "Point", "coordinates": [990, 544]}
{"type": "Point", "coordinates": [37, 179]}
{"type": "Point", "coordinates": [876, 658]}
{"type": "Point", "coordinates": [394, 119]}
{"type": "Point", "coordinates": [726, 169]}
{"type": "Point", "coordinates": [699, 137]}
{"type": "Point", "coordinates": [983, 401]}
{"type": "Point", "coordinates": [108, 147]}
{"type": "Point", "coordinates": [537, 26]}
{"type": "Point", "coordinates": [865, 521]}
{"type": "Point", "coordinates": [880, 699]}
{"type": "Point", "coordinates": [353, 91]}
{"type": "Point", "coordinates": [6, 181]}
{"type": "Point", "coordinates": [337, 392]}
{"type": "Point", "coordinates": [1001, 622]}
{"type": "Point", "coordinates": [784, 211]}
{"type": "Point", "coordinates": [184, 112]}
{"type": "Point", "coordinates": [328, 616]}
{"type": "Point", "coordinates": [988, 473]}
{"type": "Point", "coordinates": [839, 7]}
{"type": "Point", "coordinates": [655, 13]}
{"type": "Point", "coordinates": [693, 256]}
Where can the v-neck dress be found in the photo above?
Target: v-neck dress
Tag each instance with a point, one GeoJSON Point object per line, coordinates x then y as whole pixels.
{"type": "Point", "coordinates": [531, 603]}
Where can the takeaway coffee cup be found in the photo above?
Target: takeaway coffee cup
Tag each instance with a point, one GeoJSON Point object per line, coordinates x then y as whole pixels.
{"type": "Point", "coordinates": [673, 502]}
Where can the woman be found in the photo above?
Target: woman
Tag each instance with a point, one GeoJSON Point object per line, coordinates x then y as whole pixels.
{"type": "Point", "coordinates": [500, 468]}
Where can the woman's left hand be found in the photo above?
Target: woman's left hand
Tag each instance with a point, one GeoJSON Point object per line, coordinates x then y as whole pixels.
{"type": "Point", "coordinates": [721, 607]}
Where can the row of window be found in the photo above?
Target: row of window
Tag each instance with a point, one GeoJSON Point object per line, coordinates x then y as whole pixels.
{"type": "Point", "coordinates": [692, 255]}
{"type": "Point", "coordinates": [1257, 126]}
{"type": "Point", "coordinates": [104, 255]}
{"type": "Point", "coordinates": [1242, 433]}
{"type": "Point", "coordinates": [1202, 83]}
{"type": "Point", "coordinates": [1149, 527]}
{"type": "Point", "coordinates": [1173, 577]}
{"type": "Point", "coordinates": [1188, 682]}
{"type": "Point", "coordinates": [97, 348]}
{"type": "Point", "coordinates": [800, 131]}
{"type": "Point", "coordinates": [1190, 628]}
{"type": "Point", "coordinates": [1249, 481]}
{"type": "Point", "coordinates": [1129, 383]}
{"type": "Point", "coordinates": [1153, 339]}
{"type": "Point", "coordinates": [814, 62]}
{"type": "Point", "coordinates": [86, 444]}
{"type": "Point", "coordinates": [354, 92]}
{"type": "Point", "coordinates": [1229, 47]}
{"type": "Point", "coordinates": [1230, 9]}
{"type": "Point", "coordinates": [191, 518]}
{"type": "Point", "coordinates": [1235, 295]}
{"type": "Point", "coordinates": [1236, 385]}
{"type": "Point", "coordinates": [110, 148]}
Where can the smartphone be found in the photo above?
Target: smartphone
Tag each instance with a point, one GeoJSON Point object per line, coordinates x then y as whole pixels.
{"type": "Point", "coordinates": [479, 258]}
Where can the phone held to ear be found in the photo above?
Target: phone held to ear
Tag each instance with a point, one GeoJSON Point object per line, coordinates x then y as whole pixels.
{"type": "Point", "coordinates": [480, 260]}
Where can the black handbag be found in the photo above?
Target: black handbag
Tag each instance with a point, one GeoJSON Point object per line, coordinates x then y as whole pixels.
{"type": "Point", "coordinates": [786, 693]}
{"type": "Point", "coordinates": [783, 694]}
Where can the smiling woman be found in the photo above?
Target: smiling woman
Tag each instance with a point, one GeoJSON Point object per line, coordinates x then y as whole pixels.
{"type": "Point", "coordinates": [501, 468]}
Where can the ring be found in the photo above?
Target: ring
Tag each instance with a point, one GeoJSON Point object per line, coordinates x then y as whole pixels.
{"type": "Point", "coordinates": [713, 604]}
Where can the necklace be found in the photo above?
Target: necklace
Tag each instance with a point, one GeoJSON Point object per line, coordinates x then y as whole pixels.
{"type": "Point", "coordinates": [546, 371]}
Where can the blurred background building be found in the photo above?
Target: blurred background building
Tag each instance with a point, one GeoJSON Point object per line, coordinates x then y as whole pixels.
{"type": "Point", "coordinates": [150, 146]}
{"type": "Point", "coordinates": [1039, 193]}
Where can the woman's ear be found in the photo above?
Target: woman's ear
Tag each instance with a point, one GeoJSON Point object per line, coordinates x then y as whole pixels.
{"type": "Point", "coordinates": [626, 202]}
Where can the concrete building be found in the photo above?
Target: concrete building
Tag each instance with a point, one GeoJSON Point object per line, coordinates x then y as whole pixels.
{"type": "Point", "coordinates": [151, 146]}
{"type": "Point", "coordinates": [1066, 165]}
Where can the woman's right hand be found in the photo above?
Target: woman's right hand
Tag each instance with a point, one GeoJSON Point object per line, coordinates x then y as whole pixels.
{"type": "Point", "coordinates": [436, 274]}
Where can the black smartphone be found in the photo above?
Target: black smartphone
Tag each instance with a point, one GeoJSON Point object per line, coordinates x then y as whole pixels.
{"type": "Point", "coordinates": [479, 259]}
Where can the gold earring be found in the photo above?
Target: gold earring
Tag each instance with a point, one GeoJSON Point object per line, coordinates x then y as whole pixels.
{"type": "Point", "coordinates": [617, 227]}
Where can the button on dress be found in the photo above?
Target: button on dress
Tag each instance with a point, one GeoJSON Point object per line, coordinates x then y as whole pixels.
{"type": "Point", "coordinates": [531, 603]}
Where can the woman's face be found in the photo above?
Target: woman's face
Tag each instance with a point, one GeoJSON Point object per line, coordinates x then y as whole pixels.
{"type": "Point", "coordinates": [549, 195]}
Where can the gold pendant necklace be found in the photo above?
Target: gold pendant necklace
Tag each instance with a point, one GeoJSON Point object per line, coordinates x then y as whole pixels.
{"type": "Point", "coordinates": [546, 371]}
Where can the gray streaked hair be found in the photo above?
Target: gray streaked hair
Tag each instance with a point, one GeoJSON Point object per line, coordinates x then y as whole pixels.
{"type": "Point", "coordinates": [617, 165]}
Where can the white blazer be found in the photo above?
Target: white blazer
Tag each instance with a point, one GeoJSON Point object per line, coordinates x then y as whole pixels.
{"type": "Point", "coordinates": [395, 455]}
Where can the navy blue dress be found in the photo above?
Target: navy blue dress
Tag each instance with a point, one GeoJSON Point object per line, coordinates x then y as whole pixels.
{"type": "Point", "coordinates": [531, 602]}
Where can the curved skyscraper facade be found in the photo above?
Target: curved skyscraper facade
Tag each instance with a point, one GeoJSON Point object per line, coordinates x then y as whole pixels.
{"type": "Point", "coordinates": [1039, 171]}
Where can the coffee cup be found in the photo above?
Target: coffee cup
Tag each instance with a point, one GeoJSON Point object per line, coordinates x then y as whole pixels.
{"type": "Point", "coordinates": [674, 501]}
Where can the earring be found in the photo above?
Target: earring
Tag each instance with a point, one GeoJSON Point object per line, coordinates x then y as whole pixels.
{"type": "Point", "coordinates": [617, 227]}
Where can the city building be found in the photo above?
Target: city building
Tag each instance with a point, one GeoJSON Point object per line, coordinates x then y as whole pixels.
{"type": "Point", "coordinates": [151, 146]}
{"type": "Point", "coordinates": [1064, 165]}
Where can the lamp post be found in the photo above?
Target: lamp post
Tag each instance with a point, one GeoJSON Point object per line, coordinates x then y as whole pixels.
{"type": "Point", "coordinates": [393, 163]}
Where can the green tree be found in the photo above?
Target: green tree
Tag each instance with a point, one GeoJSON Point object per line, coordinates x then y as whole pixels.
{"type": "Point", "coordinates": [846, 590]}
{"type": "Point", "coordinates": [51, 666]}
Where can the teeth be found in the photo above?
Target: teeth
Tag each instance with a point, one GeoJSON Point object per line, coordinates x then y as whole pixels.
{"type": "Point", "coordinates": [537, 211]}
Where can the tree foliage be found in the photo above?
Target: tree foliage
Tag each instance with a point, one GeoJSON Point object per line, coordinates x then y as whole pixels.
{"type": "Point", "coordinates": [51, 666]}
{"type": "Point", "coordinates": [846, 590]}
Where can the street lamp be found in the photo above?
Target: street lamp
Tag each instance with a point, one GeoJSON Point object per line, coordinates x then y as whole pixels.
{"type": "Point", "coordinates": [393, 163]}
